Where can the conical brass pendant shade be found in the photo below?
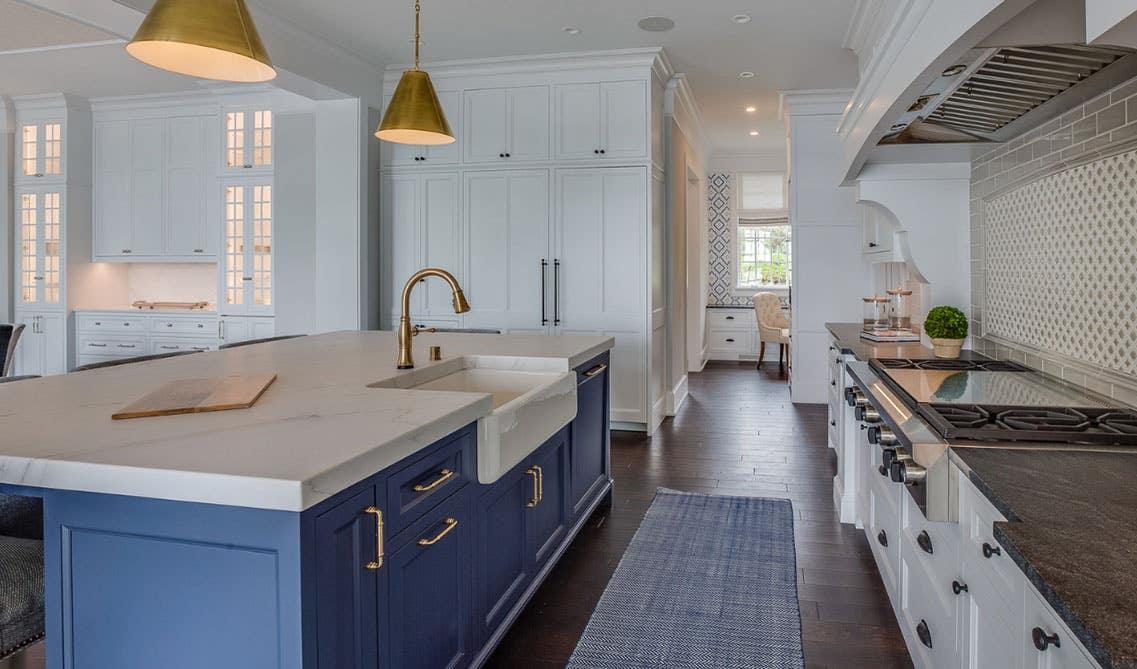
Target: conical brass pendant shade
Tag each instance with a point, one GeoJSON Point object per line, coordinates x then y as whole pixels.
{"type": "Point", "coordinates": [211, 39]}
{"type": "Point", "coordinates": [415, 115]}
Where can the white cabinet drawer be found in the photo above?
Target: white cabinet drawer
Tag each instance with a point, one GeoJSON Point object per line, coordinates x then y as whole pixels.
{"type": "Point", "coordinates": [115, 347]}
{"type": "Point", "coordinates": [883, 531]}
{"type": "Point", "coordinates": [111, 323]}
{"type": "Point", "coordinates": [981, 552]}
{"type": "Point", "coordinates": [183, 325]}
{"type": "Point", "coordinates": [725, 319]}
{"type": "Point", "coordinates": [928, 622]}
{"type": "Point", "coordinates": [173, 345]}
{"type": "Point", "coordinates": [1056, 646]}
{"type": "Point", "coordinates": [736, 341]}
{"type": "Point", "coordinates": [935, 546]}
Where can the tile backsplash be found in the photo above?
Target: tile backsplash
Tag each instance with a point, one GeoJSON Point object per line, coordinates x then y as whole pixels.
{"type": "Point", "coordinates": [1054, 246]}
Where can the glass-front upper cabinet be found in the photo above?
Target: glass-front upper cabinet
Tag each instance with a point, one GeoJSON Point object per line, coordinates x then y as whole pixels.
{"type": "Point", "coordinates": [40, 151]}
{"type": "Point", "coordinates": [247, 139]}
{"type": "Point", "coordinates": [246, 268]}
{"type": "Point", "coordinates": [39, 248]}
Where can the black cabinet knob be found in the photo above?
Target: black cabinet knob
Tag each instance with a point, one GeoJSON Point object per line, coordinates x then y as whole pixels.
{"type": "Point", "coordinates": [989, 550]}
{"type": "Point", "coordinates": [924, 634]}
{"type": "Point", "coordinates": [833, 423]}
{"type": "Point", "coordinates": [958, 587]}
{"type": "Point", "coordinates": [833, 383]}
{"type": "Point", "coordinates": [1042, 640]}
{"type": "Point", "coordinates": [507, 155]}
{"type": "Point", "coordinates": [730, 341]}
{"type": "Point", "coordinates": [596, 151]}
{"type": "Point", "coordinates": [601, 150]}
{"type": "Point", "coordinates": [501, 155]}
{"type": "Point", "coordinates": [872, 245]}
{"type": "Point", "coordinates": [882, 539]}
{"type": "Point", "coordinates": [730, 318]}
{"type": "Point", "coordinates": [924, 542]}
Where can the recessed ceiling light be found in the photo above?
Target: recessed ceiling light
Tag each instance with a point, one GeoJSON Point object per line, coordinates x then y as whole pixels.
{"type": "Point", "coordinates": [751, 109]}
{"type": "Point", "coordinates": [753, 133]}
{"type": "Point", "coordinates": [572, 30]}
{"type": "Point", "coordinates": [741, 18]}
{"type": "Point", "coordinates": [656, 24]}
{"type": "Point", "coordinates": [746, 75]}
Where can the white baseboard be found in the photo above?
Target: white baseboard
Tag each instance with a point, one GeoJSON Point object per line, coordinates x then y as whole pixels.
{"type": "Point", "coordinates": [846, 504]}
{"type": "Point", "coordinates": [676, 396]}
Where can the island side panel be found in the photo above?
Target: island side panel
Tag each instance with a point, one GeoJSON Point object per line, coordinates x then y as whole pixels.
{"type": "Point", "coordinates": [136, 583]}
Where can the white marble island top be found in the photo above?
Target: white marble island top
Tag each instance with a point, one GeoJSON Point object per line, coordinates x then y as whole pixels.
{"type": "Point", "coordinates": [317, 430]}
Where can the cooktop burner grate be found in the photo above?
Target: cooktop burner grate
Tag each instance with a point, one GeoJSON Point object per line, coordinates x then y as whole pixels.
{"type": "Point", "coordinates": [950, 365]}
{"type": "Point", "coordinates": [972, 422]}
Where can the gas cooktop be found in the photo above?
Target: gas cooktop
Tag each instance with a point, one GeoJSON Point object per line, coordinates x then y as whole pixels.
{"type": "Point", "coordinates": [990, 400]}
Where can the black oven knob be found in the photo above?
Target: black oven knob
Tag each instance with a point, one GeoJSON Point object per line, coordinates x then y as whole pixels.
{"type": "Point", "coordinates": [867, 413]}
{"type": "Point", "coordinates": [873, 435]}
{"type": "Point", "coordinates": [881, 434]}
{"type": "Point", "coordinates": [886, 457]}
{"type": "Point", "coordinates": [854, 397]}
{"type": "Point", "coordinates": [907, 472]}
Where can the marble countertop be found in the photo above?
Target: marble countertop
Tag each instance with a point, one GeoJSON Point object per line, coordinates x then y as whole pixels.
{"type": "Point", "coordinates": [1073, 534]}
{"type": "Point", "coordinates": [849, 339]}
{"type": "Point", "coordinates": [317, 430]}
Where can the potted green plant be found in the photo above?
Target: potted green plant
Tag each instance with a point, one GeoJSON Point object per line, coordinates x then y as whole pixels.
{"type": "Point", "coordinates": [947, 327]}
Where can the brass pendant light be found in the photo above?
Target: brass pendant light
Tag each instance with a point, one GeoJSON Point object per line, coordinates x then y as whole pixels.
{"type": "Point", "coordinates": [415, 115]}
{"type": "Point", "coordinates": [211, 39]}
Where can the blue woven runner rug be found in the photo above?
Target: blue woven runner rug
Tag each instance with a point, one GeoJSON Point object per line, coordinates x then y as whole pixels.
{"type": "Point", "coordinates": [708, 582]}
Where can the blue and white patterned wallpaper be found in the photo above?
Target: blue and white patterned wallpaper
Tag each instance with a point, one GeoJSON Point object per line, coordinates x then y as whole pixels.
{"type": "Point", "coordinates": [720, 242]}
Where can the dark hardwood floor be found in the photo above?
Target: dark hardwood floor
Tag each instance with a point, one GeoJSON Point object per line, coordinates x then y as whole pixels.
{"type": "Point", "coordinates": [737, 433]}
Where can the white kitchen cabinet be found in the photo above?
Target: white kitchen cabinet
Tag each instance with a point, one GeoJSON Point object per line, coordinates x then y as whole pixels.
{"type": "Point", "coordinates": [247, 139]}
{"type": "Point", "coordinates": [422, 217]}
{"type": "Point", "coordinates": [42, 349]}
{"type": "Point", "coordinates": [599, 277]}
{"type": "Point", "coordinates": [508, 254]}
{"type": "Point", "coordinates": [155, 195]}
{"type": "Point", "coordinates": [1047, 642]}
{"type": "Point", "coordinates": [234, 329]}
{"type": "Point", "coordinates": [39, 150]}
{"type": "Point", "coordinates": [39, 245]}
{"type": "Point", "coordinates": [246, 271]}
{"type": "Point", "coordinates": [101, 336]}
{"type": "Point", "coordinates": [439, 154]}
{"type": "Point", "coordinates": [601, 120]}
{"type": "Point", "coordinates": [506, 124]}
{"type": "Point", "coordinates": [877, 233]}
{"type": "Point", "coordinates": [190, 202]}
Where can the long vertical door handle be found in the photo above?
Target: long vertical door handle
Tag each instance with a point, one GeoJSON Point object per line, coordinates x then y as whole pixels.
{"type": "Point", "coordinates": [556, 291]}
{"type": "Point", "coordinates": [544, 268]}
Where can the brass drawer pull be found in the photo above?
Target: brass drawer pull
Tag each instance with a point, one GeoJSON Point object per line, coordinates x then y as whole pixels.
{"type": "Point", "coordinates": [451, 523]}
{"type": "Point", "coordinates": [596, 370]}
{"type": "Point", "coordinates": [533, 471]}
{"type": "Point", "coordinates": [378, 538]}
{"type": "Point", "coordinates": [540, 484]}
{"type": "Point", "coordinates": [443, 476]}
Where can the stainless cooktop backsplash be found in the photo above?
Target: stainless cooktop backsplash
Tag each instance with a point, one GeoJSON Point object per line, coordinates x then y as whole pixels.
{"type": "Point", "coordinates": [1054, 247]}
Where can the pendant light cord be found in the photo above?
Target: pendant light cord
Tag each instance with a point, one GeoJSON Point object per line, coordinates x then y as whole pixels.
{"type": "Point", "coordinates": [417, 8]}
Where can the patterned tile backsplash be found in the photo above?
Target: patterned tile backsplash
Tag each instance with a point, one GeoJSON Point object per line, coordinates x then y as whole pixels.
{"type": "Point", "coordinates": [720, 242]}
{"type": "Point", "coordinates": [1054, 246]}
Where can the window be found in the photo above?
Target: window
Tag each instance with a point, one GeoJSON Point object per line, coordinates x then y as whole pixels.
{"type": "Point", "coordinates": [764, 253]}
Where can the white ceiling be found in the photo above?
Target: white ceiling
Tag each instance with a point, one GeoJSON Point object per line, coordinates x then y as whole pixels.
{"type": "Point", "coordinates": [790, 44]}
{"type": "Point", "coordinates": [24, 27]}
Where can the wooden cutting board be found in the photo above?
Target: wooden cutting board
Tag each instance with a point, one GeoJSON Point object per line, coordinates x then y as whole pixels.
{"type": "Point", "coordinates": [198, 395]}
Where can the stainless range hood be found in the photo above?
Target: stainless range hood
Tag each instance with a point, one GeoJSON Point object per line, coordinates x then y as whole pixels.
{"type": "Point", "coordinates": [995, 94]}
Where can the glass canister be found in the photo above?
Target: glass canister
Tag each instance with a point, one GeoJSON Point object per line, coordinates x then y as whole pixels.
{"type": "Point", "coordinates": [899, 305]}
{"type": "Point", "coordinates": [875, 313]}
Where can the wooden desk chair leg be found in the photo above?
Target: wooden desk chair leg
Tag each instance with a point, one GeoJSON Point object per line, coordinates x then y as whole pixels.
{"type": "Point", "coordinates": [781, 352]}
{"type": "Point", "coordinates": [761, 353]}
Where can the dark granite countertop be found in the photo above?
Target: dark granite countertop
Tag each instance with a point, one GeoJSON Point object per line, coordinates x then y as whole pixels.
{"type": "Point", "coordinates": [849, 339]}
{"type": "Point", "coordinates": [1073, 531]}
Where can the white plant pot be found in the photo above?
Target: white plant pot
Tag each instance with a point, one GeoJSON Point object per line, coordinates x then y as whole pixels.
{"type": "Point", "coordinates": [947, 348]}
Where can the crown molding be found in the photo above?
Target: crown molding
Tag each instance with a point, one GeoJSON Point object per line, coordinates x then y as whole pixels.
{"type": "Point", "coordinates": [577, 60]}
{"type": "Point", "coordinates": [679, 103]}
{"type": "Point", "coordinates": [813, 102]}
{"type": "Point", "coordinates": [864, 14]}
{"type": "Point", "coordinates": [50, 101]}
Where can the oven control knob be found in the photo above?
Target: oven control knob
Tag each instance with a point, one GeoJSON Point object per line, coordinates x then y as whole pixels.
{"type": "Point", "coordinates": [867, 413]}
{"type": "Point", "coordinates": [887, 456]}
{"type": "Point", "coordinates": [907, 472]}
{"type": "Point", "coordinates": [854, 397]}
{"type": "Point", "coordinates": [881, 434]}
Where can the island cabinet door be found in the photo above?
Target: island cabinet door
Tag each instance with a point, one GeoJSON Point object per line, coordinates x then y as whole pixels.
{"type": "Point", "coordinates": [430, 587]}
{"type": "Point", "coordinates": [347, 571]}
{"type": "Point", "coordinates": [547, 519]}
{"type": "Point", "coordinates": [503, 565]}
{"type": "Point", "coordinates": [588, 453]}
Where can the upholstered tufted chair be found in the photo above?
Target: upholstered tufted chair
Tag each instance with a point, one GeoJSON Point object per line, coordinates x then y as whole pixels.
{"type": "Point", "coordinates": [773, 326]}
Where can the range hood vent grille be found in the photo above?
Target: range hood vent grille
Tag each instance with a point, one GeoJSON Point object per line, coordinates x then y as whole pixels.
{"type": "Point", "coordinates": [1016, 80]}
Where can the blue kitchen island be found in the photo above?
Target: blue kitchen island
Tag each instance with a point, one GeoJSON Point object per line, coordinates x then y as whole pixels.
{"type": "Point", "coordinates": [344, 521]}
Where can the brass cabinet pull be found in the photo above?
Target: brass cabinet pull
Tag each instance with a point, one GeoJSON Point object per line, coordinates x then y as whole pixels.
{"type": "Point", "coordinates": [451, 523]}
{"type": "Point", "coordinates": [443, 476]}
{"type": "Point", "coordinates": [596, 370]}
{"type": "Point", "coordinates": [378, 538]}
{"type": "Point", "coordinates": [532, 471]}
{"type": "Point", "coordinates": [540, 484]}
